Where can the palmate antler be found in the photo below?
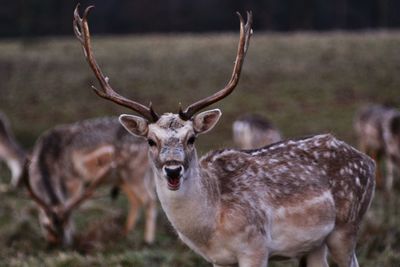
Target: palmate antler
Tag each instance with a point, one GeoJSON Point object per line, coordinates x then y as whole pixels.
{"type": "Point", "coordinates": [81, 30]}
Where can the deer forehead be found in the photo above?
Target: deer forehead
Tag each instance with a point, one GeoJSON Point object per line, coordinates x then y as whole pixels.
{"type": "Point", "coordinates": [171, 127]}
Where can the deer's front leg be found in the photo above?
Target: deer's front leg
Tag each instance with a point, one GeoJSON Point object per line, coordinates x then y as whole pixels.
{"type": "Point", "coordinates": [378, 172]}
{"type": "Point", "coordinates": [317, 257]}
{"type": "Point", "coordinates": [389, 174]}
{"type": "Point", "coordinates": [150, 226]}
{"type": "Point", "coordinates": [133, 210]}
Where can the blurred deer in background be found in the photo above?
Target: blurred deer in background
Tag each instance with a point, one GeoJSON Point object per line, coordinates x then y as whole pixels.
{"type": "Point", "coordinates": [93, 152]}
{"type": "Point", "coordinates": [254, 131]}
{"type": "Point", "coordinates": [11, 152]}
{"type": "Point", "coordinates": [293, 198]}
{"type": "Point", "coordinates": [378, 132]}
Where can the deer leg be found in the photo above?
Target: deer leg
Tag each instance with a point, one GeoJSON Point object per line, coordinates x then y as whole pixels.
{"type": "Point", "coordinates": [389, 174]}
{"type": "Point", "coordinates": [134, 208]}
{"type": "Point", "coordinates": [378, 175]}
{"type": "Point", "coordinates": [151, 216]}
{"type": "Point", "coordinates": [317, 257]}
{"type": "Point", "coordinates": [341, 244]}
{"type": "Point", "coordinates": [302, 261]}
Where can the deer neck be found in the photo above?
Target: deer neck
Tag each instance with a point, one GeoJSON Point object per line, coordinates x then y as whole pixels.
{"type": "Point", "coordinates": [192, 209]}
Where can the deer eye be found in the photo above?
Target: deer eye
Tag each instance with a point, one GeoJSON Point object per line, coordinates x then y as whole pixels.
{"type": "Point", "coordinates": [151, 142]}
{"type": "Point", "coordinates": [191, 140]}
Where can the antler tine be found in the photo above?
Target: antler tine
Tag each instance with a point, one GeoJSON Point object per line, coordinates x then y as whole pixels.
{"type": "Point", "coordinates": [41, 203]}
{"type": "Point", "coordinates": [81, 30]}
{"type": "Point", "coordinates": [244, 39]}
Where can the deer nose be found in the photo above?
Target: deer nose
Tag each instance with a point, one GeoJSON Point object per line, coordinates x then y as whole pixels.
{"type": "Point", "coordinates": [173, 172]}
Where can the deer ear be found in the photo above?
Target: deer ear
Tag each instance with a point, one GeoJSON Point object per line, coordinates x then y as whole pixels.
{"type": "Point", "coordinates": [134, 124]}
{"type": "Point", "coordinates": [205, 121]}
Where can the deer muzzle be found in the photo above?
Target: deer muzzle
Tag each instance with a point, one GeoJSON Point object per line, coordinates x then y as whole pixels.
{"type": "Point", "coordinates": [173, 173]}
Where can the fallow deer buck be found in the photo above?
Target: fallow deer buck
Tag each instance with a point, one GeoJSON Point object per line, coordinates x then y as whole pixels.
{"type": "Point", "coordinates": [378, 131]}
{"type": "Point", "coordinates": [89, 152]}
{"type": "Point", "coordinates": [254, 131]}
{"type": "Point", "coordinates": [293, 198]}
{"type": "Point", "coordinates": [11, 152]}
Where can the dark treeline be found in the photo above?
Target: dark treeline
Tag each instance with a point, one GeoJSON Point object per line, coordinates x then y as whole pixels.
{"type": "Point", "coordinates": [27, 18]}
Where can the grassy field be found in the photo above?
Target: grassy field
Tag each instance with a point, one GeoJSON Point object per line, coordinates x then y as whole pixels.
{"type": "Point", "coordinates": [305, 83]}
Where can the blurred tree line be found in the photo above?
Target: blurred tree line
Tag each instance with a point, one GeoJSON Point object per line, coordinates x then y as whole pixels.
{"type": "Point", "coordinates": [27, 18]}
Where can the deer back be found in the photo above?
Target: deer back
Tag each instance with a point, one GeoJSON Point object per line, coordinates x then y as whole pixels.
{"type": "Point", "coordinates": [291, 172]}
{"type": "Point", "coordinates": [254, 131]}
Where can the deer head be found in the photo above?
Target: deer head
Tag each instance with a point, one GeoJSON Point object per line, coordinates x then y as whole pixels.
{"type": "Point", "coordinates": [170, 136]}
{"type": "Point", "coordinates": [56, 220]}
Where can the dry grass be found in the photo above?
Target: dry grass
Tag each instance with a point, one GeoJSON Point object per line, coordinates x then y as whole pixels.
{"type": "Point", "coordinates": [306, 83]}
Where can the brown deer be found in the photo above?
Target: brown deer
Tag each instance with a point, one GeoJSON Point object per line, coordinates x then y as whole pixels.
{"type": "Point", "coordinates": [90, 152]}
{"type": "Point", "coordinates": [11, 152]}
{"type": "Point", "coordinates": [378, 131]}
{"type": "Point", "coordinates": [293, 198]}
{"type": "Point", "coordinates": [254, 131]}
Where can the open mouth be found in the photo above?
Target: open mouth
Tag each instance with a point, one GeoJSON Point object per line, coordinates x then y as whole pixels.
{"type": "Point", "coordinates": [173, 174]}
{"type": "Point", "coordinates": [174, 183]}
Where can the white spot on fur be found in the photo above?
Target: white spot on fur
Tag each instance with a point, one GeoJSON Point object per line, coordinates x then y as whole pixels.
{"type": "Point", "coordinates": [358, 181]}
{"type": "Point", "coordinates": [327, 154]}
{"type": "Point", "coordinates": [273, 161]}
{"type": "Point", "coordinates": [286, 191]}
{"type": "Point", "coordinates": [230, 167]}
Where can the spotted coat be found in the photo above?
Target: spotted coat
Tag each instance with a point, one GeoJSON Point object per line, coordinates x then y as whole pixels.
{"type": "Point", "coordinates": [290, 199]}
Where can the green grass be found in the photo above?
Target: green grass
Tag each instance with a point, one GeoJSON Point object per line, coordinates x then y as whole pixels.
{"type": "Point", "coordinates": [305, 83]}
